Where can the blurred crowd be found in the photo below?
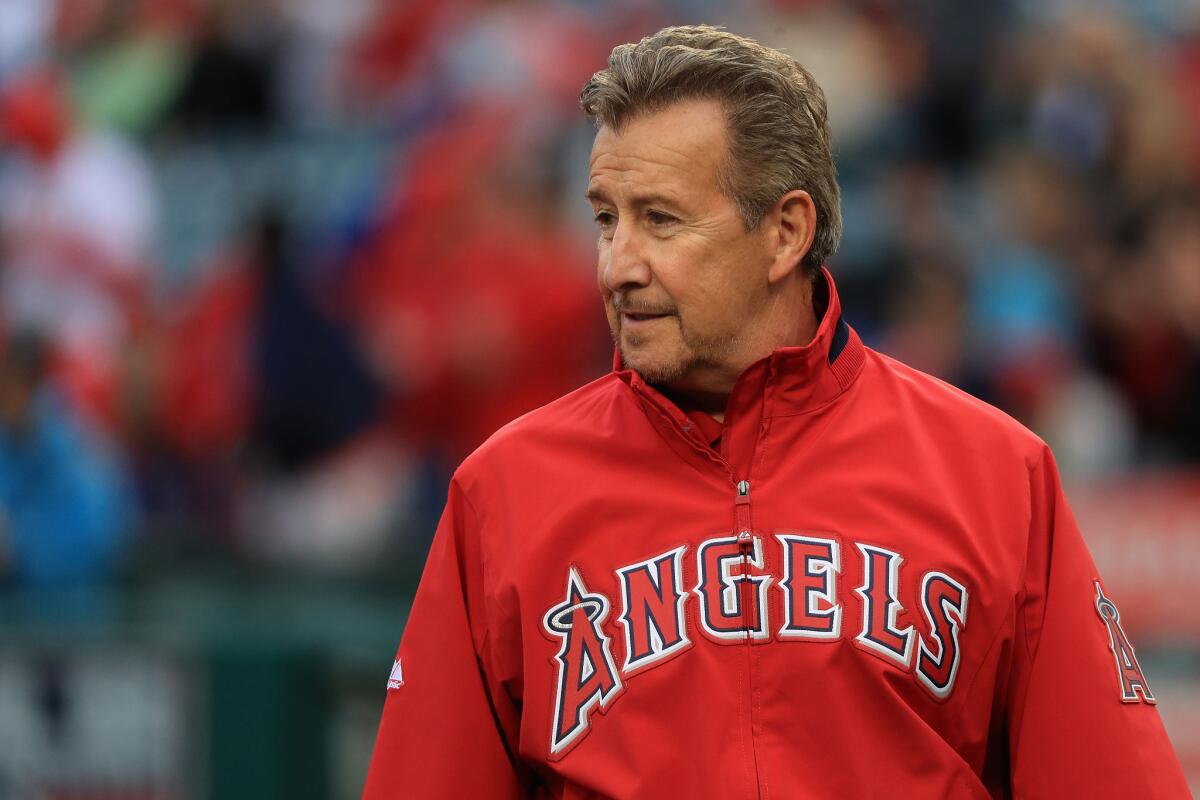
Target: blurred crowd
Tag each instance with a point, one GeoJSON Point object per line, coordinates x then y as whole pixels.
{"type": "Point", "coordinates": [269, 269]}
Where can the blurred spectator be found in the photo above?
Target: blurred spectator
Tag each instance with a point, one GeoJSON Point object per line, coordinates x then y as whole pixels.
{"type": "Point", "coordinates": [474, 297]}
{"type": "Point", "coordinates": [130, 59]}
{"type": "Point", "coordinates": [1145, 330]}
{"type": "Point", "coordinates": [1022, 315]}
{"type": "Point", "coordinates": [77, 219]}
{"type": "Point", "coordinates": [312, 392]}
{"type": "Point", "coordinates": [314, 54]}
{"type": "Point", "coordinates": [190, 411]}
{"type": "Point", "coordinates": [229, 80]}
{"type": "Point", "coordinates": [64, 504]}
{"type": "Point", "coordinates": [251, 376]}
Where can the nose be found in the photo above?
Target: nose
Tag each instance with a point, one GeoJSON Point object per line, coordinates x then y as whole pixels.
{"type": "Point", "coordinates": [623, 263]}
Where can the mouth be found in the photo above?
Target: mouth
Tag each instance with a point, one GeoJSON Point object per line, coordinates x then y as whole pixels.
{"type": "Point", "coordinates": [639, 320]}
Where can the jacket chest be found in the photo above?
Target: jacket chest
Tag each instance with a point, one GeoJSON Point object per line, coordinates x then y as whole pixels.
{"type": "Point", "coordinates": [796, 576]}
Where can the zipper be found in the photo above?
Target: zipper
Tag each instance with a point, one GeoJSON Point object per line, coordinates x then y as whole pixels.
{"type": "Point", "coordinates": [742, 507]}
{"type": "Point", "coordinates": [745, 540]}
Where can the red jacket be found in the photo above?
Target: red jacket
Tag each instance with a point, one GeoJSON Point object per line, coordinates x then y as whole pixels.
{"type": "Point", "coordinates": [872, 588]}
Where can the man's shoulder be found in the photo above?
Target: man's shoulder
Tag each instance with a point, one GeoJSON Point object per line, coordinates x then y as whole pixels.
{"type": "Point", "coordinates": [571, 420]}
{"type": "Point", "coordinates": [958, 414]}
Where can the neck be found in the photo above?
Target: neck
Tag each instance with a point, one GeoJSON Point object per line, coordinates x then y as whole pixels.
{"type": "Point", "coordinates": [789, 320]}
{"type": "Point", "coordinates": [711, 403]}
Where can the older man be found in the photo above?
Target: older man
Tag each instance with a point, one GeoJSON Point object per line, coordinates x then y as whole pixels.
{"type": "Point", "coordinates": [757, 559]}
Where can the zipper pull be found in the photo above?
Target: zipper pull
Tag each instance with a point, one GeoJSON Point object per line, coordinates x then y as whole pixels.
{"type": "Point", "coordinates": [745, 541]}
{"type": "Point", "coordinates": [743, 493]}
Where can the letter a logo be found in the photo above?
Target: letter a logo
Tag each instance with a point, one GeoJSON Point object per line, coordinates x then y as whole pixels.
{"type": "Point", "coordinates": [1129, 671]}
{"type": "Point", "coordinates": [586, 672]}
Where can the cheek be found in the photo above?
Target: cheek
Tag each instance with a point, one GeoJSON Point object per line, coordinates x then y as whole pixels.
{"type": "Point", "coordinates": [674, 271]}
{"type": "Point", "coordinates": [718, 300]}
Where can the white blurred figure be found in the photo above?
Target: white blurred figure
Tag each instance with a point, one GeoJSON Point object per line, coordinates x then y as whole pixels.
{"type": "Point", "coordinates": [1088, 425]}
{"type": "Point", "coordinates": [77, 220]}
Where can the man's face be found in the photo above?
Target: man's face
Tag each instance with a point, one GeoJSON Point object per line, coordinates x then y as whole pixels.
{"type": "Point", "coordinates": [680, 276]}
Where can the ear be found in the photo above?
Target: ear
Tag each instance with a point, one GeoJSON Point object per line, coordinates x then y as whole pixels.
{"type": "Point", "coordinates": [794, 219]}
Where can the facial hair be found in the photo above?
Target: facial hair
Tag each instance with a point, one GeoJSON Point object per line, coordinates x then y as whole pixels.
{"type": "Point", "coordinates": [698, 352]}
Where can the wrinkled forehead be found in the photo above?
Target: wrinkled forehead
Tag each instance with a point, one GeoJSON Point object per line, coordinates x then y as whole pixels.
{"type": "Point", "coordinates": [685, 142]}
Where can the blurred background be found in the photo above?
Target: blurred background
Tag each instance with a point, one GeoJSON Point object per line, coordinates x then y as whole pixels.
{"type": "Point", "coordinates": [266, 275]}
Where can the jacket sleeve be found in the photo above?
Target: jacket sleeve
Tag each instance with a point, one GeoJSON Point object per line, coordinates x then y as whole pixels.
{"type": "Point", "coordinates": [1073, 729]}
{"type": "Point", "coordinates": [448, 729]}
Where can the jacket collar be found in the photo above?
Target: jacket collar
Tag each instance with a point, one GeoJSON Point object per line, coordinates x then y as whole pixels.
{"type": "Point", "coordinates": [790, 381]}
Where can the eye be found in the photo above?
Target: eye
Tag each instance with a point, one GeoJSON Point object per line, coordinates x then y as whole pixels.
{"type": "Point", "coordinates": [659, 218]}
{"type": "Point", "coordinates": [605, 219]}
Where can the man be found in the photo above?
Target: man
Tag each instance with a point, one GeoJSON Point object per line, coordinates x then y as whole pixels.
{"type": "Point", "coordinates": [758, 559]}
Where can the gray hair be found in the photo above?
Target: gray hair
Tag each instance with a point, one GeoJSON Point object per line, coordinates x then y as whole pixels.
{"type": "Point", "coordinates": [779, 126]}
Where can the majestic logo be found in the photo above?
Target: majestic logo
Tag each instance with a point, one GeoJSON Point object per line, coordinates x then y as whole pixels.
{"type": "Point", "coordinates": [730, 590]}
{"type": "Point", "coordinates": [396, 677]}
{"type": "Point", "coordinates": [1129, 671]}
{"type": "Point", "coordinates": [587, 676]}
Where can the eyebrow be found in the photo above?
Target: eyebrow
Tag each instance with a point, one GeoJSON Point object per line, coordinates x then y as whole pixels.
{"type": "Point", "coordinates": [639, 200]}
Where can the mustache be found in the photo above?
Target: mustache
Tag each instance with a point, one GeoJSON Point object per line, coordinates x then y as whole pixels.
{"type": "Point", "coordinates": [624, 305]}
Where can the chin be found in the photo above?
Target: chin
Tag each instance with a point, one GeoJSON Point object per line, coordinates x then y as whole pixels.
{"type": "Point", "coordinates": [656, 369]}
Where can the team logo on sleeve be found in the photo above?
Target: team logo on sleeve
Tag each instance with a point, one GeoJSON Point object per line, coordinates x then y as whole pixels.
{"type": "Point", "coordinates": [1129, 671]}
{"type": "Point", "coordinates": [587, 674]}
